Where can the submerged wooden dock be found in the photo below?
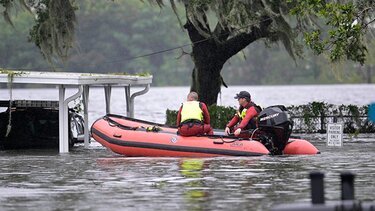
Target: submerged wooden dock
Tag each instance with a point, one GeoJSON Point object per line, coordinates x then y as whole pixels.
{"type": "Point", "coordinates": [82, 82]}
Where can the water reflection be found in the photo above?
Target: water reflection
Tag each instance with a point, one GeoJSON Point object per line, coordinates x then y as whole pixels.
{"type": "Point", "coordinates": [97, 179]}
{"type": "Point", "coordinates": [195, 193]}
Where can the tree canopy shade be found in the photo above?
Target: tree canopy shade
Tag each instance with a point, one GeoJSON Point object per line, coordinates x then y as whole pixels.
{"type": "Point", "coordinates": [219, 30]}
{"type": "Point", "coordinates": [346, 25]}
{"type": "Point", "coordinates": [333, 27]}
{"type": "Point", "coordinates": [53, 31]}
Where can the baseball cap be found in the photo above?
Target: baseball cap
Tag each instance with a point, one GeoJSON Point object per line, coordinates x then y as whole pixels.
{"type": "Point", "coordinates": [243, 94]}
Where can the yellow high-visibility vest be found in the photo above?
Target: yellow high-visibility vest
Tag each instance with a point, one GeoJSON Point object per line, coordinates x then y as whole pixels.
{"type": "Point", "coordinates": [243, 113]}
{"type": "Point", "coordinates": [191, 110]}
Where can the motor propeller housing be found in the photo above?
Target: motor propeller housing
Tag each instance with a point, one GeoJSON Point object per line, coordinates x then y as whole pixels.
{"type": "Point", "coordinates": [275, 127]}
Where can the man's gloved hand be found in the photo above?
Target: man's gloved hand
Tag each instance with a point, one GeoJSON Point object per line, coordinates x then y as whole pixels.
{"type": "Point", "coordinates": [227, 130]}
{"type": "Point", "coordinates": [237, 132]}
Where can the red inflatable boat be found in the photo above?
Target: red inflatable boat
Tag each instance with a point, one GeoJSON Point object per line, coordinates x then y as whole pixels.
{"type": "Point", "coordinates": [134, 137]}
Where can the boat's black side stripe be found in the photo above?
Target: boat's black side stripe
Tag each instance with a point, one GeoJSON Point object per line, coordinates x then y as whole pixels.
{"type": "Point", "coordinates": [172, 147]}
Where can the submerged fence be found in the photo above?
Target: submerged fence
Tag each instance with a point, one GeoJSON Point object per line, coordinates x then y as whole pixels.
{"type": "Point", "coordinates": [309, 118]}
{"type": "Point", "coordinates": [314, 117]}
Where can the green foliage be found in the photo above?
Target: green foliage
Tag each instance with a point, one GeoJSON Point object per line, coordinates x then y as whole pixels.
{"type": "Point", "coordinates": [345, 26]}
{"type": "Point", "coordinates": [336, 28]}
{"type": "Point", "coordinates": [10, 74]}
{"type": "Point", "coordinates": [309, 114]}
{"type": "Point", "coordinates": [318, 108]}
{"type": "Point", "coordinates": [171, 117]}
{"type": "Point", "coordinates": [124, 36]}
{"type": "Point", "coordinates": [313, 41]}
{"type": "Point", "coordinates": [112, 36]}
{"type": "Point", "coordinates": [220, 116]}
{"type": "Point", "coordinates": [307, 118]}
{"type": "Point", "coordinates": [54, 31]}
{"type": "Point", "coordinates": [314, 116]}
{"type": "Point", "coordinates": [15, 51]}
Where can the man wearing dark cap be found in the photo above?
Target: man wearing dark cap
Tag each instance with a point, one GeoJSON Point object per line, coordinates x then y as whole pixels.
{"type": "Point", "coordinates": [245, 116]}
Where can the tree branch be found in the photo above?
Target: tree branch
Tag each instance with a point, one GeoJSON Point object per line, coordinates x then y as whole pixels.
{"type": "Point", "coordinates": [220, 33]}
{"type": "Point", "coordinates": [235, 44]}
{"type": "Point", "coordinates": [195, 34]}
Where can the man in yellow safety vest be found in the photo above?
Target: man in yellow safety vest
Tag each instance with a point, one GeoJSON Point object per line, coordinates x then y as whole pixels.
{"type": "Point", "coordinates": [193, 117]}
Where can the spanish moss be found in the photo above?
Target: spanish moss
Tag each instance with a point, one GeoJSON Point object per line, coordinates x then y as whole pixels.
{"type": "Point", "coordinates": [54, 29]}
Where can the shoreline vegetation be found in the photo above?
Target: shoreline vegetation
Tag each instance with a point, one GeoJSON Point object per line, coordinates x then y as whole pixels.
{"type": "Point", "coordinates": [102, 46]}
{"type": "Point", "coordinates": [309, 118]}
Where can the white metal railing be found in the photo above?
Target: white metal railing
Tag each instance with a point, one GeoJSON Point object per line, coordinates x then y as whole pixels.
{"type": "Point", "coordinates": [81, 81]}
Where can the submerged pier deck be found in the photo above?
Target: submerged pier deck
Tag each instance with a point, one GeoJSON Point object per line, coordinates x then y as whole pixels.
{"type": "Point", "coordinates": [81, 81]}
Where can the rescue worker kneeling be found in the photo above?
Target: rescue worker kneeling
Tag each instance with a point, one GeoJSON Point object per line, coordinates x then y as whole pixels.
{"type": "Point", "coordinates": [193, 117]}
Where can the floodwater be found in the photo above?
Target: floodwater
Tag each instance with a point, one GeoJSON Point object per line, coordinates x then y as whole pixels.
{"type": "Point", "coordinates": [97, 179]}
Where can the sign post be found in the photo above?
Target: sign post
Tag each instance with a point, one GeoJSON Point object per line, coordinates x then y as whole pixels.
{"type": "Point", "coordinates": [334, 134]}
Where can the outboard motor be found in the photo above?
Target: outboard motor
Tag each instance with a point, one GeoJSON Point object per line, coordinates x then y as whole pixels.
{"type": "Point", "coordinates": [274, 128]}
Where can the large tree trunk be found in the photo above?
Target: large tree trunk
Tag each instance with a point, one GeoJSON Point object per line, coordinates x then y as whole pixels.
{"type": "Point", "coordinates": [210, 54]}
{"type": "Point", "coordinates": [206, 79]}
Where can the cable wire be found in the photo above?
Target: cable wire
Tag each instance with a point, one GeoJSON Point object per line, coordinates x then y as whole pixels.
{"type": "Point", "coordinates": [119, 60]}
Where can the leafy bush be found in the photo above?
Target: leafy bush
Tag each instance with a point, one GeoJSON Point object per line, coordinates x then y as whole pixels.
{"type": "Point", "coordinates": [310, 118]}
{"type": "Point", "coordinates": [220, 116]}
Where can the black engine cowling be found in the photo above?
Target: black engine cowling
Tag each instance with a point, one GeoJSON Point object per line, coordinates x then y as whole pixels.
{"type": "Point", "coordinates": [274, 128]}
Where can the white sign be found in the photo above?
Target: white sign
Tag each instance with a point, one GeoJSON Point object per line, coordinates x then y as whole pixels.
{"type": "Point", "coordinates": [334, 134]}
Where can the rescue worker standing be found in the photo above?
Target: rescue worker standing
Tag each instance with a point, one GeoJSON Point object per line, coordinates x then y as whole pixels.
{"type": "Point", "coordinates": [245, 116]}
{"type": "Point", "coordinates": [193, 117]}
